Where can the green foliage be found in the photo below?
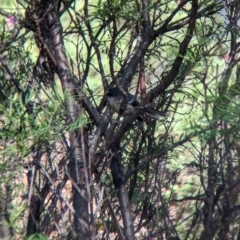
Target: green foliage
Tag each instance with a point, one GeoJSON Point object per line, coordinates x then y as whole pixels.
{"type": "Point", "coordinates": [37, 236]}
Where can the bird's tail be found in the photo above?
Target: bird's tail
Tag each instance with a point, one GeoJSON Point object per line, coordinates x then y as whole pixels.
{"type": "Point", "coordinates": [152, 113]}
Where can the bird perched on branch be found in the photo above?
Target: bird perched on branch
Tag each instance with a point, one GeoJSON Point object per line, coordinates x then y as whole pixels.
{"type": "Point", "coordinates": [127, 104]}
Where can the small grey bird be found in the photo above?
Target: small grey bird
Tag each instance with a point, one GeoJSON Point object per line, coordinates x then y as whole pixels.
{"type": "Point", "coordinates": [116, 97]}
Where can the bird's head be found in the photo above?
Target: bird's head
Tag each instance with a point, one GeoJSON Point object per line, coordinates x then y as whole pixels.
{"type": "Point", "coordinates": [112, 92]}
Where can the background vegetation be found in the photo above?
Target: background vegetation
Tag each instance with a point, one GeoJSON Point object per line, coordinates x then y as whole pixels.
{"type": "Point", "coordinates": [70, 168]}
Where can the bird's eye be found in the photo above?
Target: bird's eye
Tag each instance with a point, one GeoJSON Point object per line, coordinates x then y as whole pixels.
{"type": "Point", "coordinates": [109, 93]}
